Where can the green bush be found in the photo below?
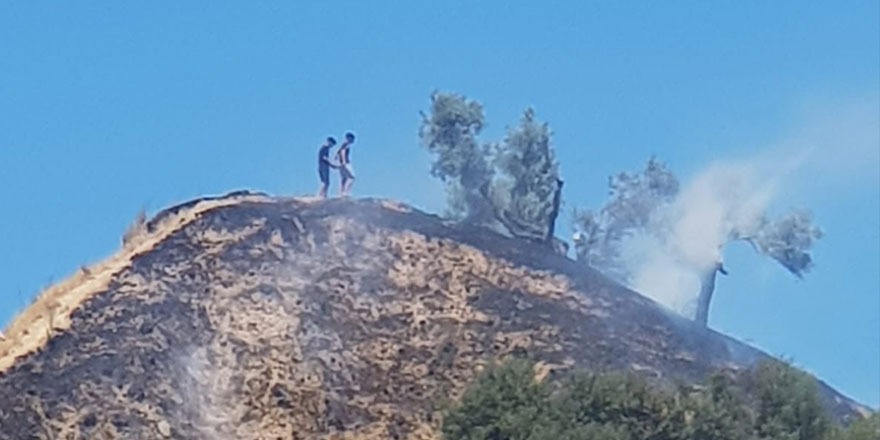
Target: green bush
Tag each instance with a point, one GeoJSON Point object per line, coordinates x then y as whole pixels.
{"type": "Point", "coordinates": [788, 405]}
{"type": "Point", "coordinates": [774, 401]}
{"type": "Point", "coordinates": [504, 403]}
{"type": "Point", "coordinates": [864, 429]}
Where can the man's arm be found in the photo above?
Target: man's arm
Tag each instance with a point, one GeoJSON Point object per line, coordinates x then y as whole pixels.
{"type": "Point", "coordinates": [339, 157]}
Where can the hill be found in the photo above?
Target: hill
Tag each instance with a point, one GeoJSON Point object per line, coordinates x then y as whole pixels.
{"type": "Point", "coordinates": [246, 316]}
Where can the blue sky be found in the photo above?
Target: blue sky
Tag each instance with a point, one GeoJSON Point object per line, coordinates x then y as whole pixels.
{"type": "Point", "coordinates": [108, 108]}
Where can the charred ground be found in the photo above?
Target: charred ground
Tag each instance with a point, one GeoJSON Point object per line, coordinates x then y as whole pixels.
{"type": "Point", "coordinates": [254, 317]}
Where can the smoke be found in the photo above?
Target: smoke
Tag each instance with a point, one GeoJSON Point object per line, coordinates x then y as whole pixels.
{"type": "Point", "coordinates": [206, 390]}
{"type": "Point", "coordinates": [837, 144]}
{"type": "Point", "coordinates": [687, 236]}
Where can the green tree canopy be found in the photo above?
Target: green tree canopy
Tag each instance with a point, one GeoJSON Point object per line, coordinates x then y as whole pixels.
{"type": "Point", "coordinates": [512, 186]}
{"type": "Point", "coordinates": [773, 401]}
{"type": "Point", "coordinates": [450, 131]}
{"type": "Point", "coordinates": [864, 429]}
{"type": "Point", "coordinates": [528, 190]}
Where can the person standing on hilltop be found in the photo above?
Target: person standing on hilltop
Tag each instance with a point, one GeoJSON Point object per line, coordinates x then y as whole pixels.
{"type": "Point", "coordinates": [343, 158]}
{"type": "Point", "coordinates": [324, 166]}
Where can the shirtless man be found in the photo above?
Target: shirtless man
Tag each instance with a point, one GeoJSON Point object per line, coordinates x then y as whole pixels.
{"type": "Point", "coordinates": [343, 158]}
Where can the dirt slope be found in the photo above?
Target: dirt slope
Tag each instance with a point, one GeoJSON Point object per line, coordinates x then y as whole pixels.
{"type": "Point", "coordinates": [249, 317]}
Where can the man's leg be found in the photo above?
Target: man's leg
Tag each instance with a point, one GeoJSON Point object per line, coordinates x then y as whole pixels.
{"type": "Point", "coordinates": [324, 175]}
{"type": "Point", "coordinates": [348, 179]}
{"type": "Point", "coordinates": [341, 184]}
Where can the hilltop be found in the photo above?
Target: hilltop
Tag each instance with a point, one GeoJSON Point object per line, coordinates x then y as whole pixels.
{"type": "Point", "coordinates": [247, 316]}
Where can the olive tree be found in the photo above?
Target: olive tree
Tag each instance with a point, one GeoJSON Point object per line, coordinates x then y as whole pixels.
{"type": "Point", "coordinates": [634, 203]}
{"type": "Point", "coordinates": [788, 240]}
{"type": "Point", "coordinates": [512, 186]}
{"type": "Point", "coordinates": [450, 131]}
{"type": "Point", "coordinates": [649, 203]}
{"type": "Point", "coordinates": [528, 193]}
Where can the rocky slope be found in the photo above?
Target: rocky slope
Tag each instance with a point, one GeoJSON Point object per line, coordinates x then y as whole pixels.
{"type": "Point", "coordinates": [250, 317]}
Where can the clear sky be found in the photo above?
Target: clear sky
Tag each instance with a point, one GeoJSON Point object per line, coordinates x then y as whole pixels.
{"type": "Point", "coordinates": [107, 108]}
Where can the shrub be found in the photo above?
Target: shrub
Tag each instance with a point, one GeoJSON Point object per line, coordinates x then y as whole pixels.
{"type": "Point", "coordinates": [774, 401]}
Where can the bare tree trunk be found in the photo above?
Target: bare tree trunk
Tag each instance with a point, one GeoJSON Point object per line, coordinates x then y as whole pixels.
{"type": "Point", "coordinates": [707, 288]}
{"type": "Point", "coordinates": [534, 232]}
{"type": "Point", "coordinates": [557, 202]}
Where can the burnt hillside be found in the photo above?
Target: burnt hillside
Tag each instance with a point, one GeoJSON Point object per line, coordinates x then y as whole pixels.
{"type": "Point", "coordinates": [254, 317]}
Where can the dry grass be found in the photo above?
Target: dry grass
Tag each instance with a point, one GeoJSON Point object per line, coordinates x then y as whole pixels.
{"type": "Point", "coordinates": [359, 334]}
{"type": "Point", "coordinates": [51, 310]}
{"type": "Point", "coordinates": [136, 231]}
{"type": "Point", "coordinates": [396, 206]}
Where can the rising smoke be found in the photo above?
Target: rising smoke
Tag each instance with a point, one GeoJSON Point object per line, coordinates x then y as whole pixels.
{"type": "Point", "coordinates": [728, 199]}
{"type": "Point", "coordinates": [687, 236]}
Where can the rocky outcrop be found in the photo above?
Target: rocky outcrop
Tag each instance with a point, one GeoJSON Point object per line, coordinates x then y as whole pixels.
{"type": "Point", "coordinates": [251, 317]}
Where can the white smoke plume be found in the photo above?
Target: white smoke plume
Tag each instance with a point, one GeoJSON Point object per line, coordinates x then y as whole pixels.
{"type": "Point", "coordinates": [839, 145]}
{"type": "Point", "coordinates": [687, 237]}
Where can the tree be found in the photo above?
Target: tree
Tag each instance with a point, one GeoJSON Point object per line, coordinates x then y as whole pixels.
{"type": "Point", "coordinates": [867, 428]}
{"type": "Point", "coordinates": [635, 200]}
{"type": "Point", "coordinates": [450, 132]}
{"type": "Point", "coordinates": [512, 187]}
{"type": "Point", "coordinates": [504, 403]}
{"type": "Point", "coordinates": [624, 402]}
{"type": "Point", "coordinates": [650, 203]}
{"type": "Point", "coordinates": [773, 401]}
{"type": "Point", "coordinates": [788, 405]}
{"type": "Point", "coordinates": [786, 240]}
{"type": "Point", "coordinates": [530, 188]}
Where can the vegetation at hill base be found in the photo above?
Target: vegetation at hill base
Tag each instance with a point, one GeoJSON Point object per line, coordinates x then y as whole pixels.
{"type": "Point", "coordinates": [772, 401]}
